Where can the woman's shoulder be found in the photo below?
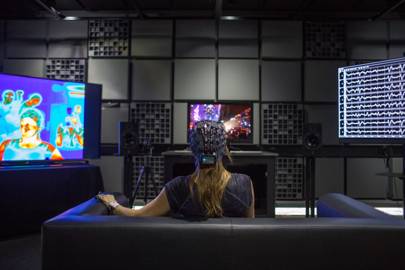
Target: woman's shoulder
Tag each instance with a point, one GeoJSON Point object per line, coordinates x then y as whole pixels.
{"type": "Point", "coordinates": [240, 178]}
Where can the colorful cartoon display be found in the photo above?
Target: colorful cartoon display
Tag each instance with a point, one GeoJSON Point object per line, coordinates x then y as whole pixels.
{"type": "Point", "coordinates": [40, 119]}
{"type": "Point", "coordinates": [237, 118]}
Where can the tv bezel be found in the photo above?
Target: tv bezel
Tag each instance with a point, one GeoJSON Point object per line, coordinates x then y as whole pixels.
{"type": "Point", "coordinates": [94, 130]}
{"type": "Point", "coordinates": [231, 142]}
{"type": "Point", "coordinates": [365, 140]}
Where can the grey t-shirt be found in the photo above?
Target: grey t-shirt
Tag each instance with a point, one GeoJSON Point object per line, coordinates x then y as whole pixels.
{"type": "Point", "coordinates": [236, 200]}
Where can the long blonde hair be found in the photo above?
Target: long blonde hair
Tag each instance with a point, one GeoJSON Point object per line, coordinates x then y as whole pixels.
{"type": "Point", "coordinates": [210, 185]}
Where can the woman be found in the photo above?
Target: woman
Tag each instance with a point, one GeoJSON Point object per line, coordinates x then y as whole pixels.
{"type": "Point", "coordinates": [211, 191]}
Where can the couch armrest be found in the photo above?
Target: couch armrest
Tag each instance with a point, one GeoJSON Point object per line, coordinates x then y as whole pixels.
{"type": "Point", "coordinates": [339, 205]}
{"type": "Point", "coordinates": [94, 207]}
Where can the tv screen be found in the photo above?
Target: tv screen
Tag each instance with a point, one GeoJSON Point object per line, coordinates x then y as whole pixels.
{"type": "Point", "coordinates": [43, 119]}
{"type": "Point", "coordinates": [371, 102]}
{"type": "Point", "coordinates": [237, 119]}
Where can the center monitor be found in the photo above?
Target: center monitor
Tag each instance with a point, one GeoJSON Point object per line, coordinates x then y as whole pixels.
{"type": "Point", "coordinates": [237, 118]}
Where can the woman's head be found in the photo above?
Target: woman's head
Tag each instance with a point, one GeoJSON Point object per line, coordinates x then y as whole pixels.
{"type": "Point", "coordinates": [31, 123]}
{"type": "Point", "coordinates": [208, 144]}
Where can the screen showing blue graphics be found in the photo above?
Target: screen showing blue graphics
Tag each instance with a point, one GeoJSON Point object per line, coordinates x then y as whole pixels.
{"type": "Point", "coordinates": [41, 119]}
{"type": "Point", "coordinates": [372, 101]}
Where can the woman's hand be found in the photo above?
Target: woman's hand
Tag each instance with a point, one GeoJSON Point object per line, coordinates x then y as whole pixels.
{"type": "Point", "coordinates": [106, 198]}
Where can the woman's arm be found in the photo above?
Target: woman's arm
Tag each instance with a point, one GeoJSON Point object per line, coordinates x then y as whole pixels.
{"type": "Point", "coordinates": [157, 207]}
{"type": "Point", "coordinates": [251, 210]}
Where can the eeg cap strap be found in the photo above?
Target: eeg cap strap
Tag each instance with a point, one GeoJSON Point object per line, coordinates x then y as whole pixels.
{"type": "Point", "coordinates": [208, 141]}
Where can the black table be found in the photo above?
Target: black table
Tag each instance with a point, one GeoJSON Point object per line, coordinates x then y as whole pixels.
{"type": "Point", "coordinates": [239, 158]}
{"type": "Point", "coordinates": [32, 194]}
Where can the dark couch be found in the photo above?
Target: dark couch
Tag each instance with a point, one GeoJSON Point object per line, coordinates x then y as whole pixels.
{"type": "Point", "coordinates": [86, 238]}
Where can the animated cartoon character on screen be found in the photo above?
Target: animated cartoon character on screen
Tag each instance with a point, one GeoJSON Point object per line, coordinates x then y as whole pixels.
{"type": "Point", "coordinates": [29, 146]}
{"type": "Point", "coordinates": [11, 106]}
{"type": "Point", "coordinates": [70, 134]}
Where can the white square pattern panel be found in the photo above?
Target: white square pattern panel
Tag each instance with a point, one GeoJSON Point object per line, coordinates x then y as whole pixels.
{"type": "Point", "coordinates": [329, 176]}
{"type": "Point", "coordinates": [326, 115]}
{"type": "Point", "coordinates": [152, 38]}
{"type": "Point", "coordinates": [194, 79]}
{"type": "Point", "coordinates": [112, 74]}
{"type": "Point", "coordinates": [151, 79]}
{"type": "Point", "coordinates": [238, 39]}
{"type": "Point", "coordinates": [321, 80]}
{"type": "Point", "coordinates": [195, 38]}
{"type": "Point", "coordinates": [110, 117]}
{"type": "Point", "coordinates": [282, 39]}
{"type": "Point", "coordinates": [28, 67]}
{"type": "Point", "coordinates": [362, 181]}
{"type": "Point", "coordinates": [281, 81]}
{"type": "Point", "coordinates": [367, 40]}
{"type": "Point", "coordinates": [238, 80]}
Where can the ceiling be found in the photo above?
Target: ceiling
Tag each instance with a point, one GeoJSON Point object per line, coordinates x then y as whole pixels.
{"type": "Point", "coordinates": [271, 9]}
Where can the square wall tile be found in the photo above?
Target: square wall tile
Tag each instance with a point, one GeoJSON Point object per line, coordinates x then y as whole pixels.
{"type": "Point", "coordinates": [282, 39]}
{"type": "Point", "coordinates": [321, 80]}
{"type": "Point", "coordinates": [111, 116]}
{"type": "Point", "coordinates": [27, 67]}
{"type": "Point", "coordinates": [281, 81]}
{"type": "Point", "coordinates": [151, 79]}
{"type": "Point", "coordinates": [238, 39]}
{"type": "Point", "coordinates": [112, 74]}
{"type": "Point", "coordinates": [194, 79]}
{"type": "Point", "coordinates": [238, 80]}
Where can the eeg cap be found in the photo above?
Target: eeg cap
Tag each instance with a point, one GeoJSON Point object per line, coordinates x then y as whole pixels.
{"type": "Point", "coordinates": [208, 141]}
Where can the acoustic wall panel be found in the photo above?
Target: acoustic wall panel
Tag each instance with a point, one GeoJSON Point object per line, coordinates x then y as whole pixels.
{"type": "Point", "coordinates": [111, 115]}
{"type": "Point", "coordinates": [67, 49]}
{"type": "Point", "coordinates": [326, 115]}
{"type": "Point", "coordinates": [238, 80]}
{"type": "Point", "coordinates": [112, 74]}
{"type": "Point", "coordinates": [329, 176]}
{"type": "Point", "coordinates": [289, 178]}
{"type": "Point", "coordinates": [151, 79]}
{"type": "Point", "coordinates": [321, 80]}
{"type": "Point", "coordinates": [256, 123]}
{"type": "Point", "coordinates": [152, 38]}
{"type": "Point", "coordinates": [281, 81]}
{"type": "Point", "coordinates": [195, 38]}
{"type": "Point", "coordinates": [26, 38]}
{"type": "Point", "coordinates": [154, 121]}
{"type": "Point", "coordinates": [194, 79]}
{"type": "Point", "coordinates": [156, 173]}
{"type": "Point", "coordinates": [68, 30]}
{"type": "Point", "coordinates": [180, 123]}
{"type": "Point", "coordinates": [362, 181]}
{"type": "Point", "coordinates": [108, 37]}
{"type": "Point", "coordinates": [282, 39]}
{"type": "Point", "coordinates": [112, 171]}
{"type": "Point", "coordinates": [397, 39]}
{"type": "Point", "coordinates": [325, 40]}
{"type": "Point", "coordinates": [282, 124]}
{"type": "Point", "coordinates": [28, 67]}
{"type": "Point", "coordinates": [27, 29]}
{"type": "Point", "coordinates": [396, 184]}
{"type": "Point", "coordinates": [238, 39]}
{"type": "Point", "coordinates": [367, 40]}
{"type": "Point", "coordinates": [66, 69]}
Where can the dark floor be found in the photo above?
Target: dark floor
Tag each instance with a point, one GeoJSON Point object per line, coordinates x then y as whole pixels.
{"type": "Point", "coordinates": [20, 253]}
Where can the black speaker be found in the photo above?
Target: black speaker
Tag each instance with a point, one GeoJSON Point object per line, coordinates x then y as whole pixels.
{"type": "Point", "coordinates": [312, 136]}
{"type": "Point", "coordinates": [128, 138]}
